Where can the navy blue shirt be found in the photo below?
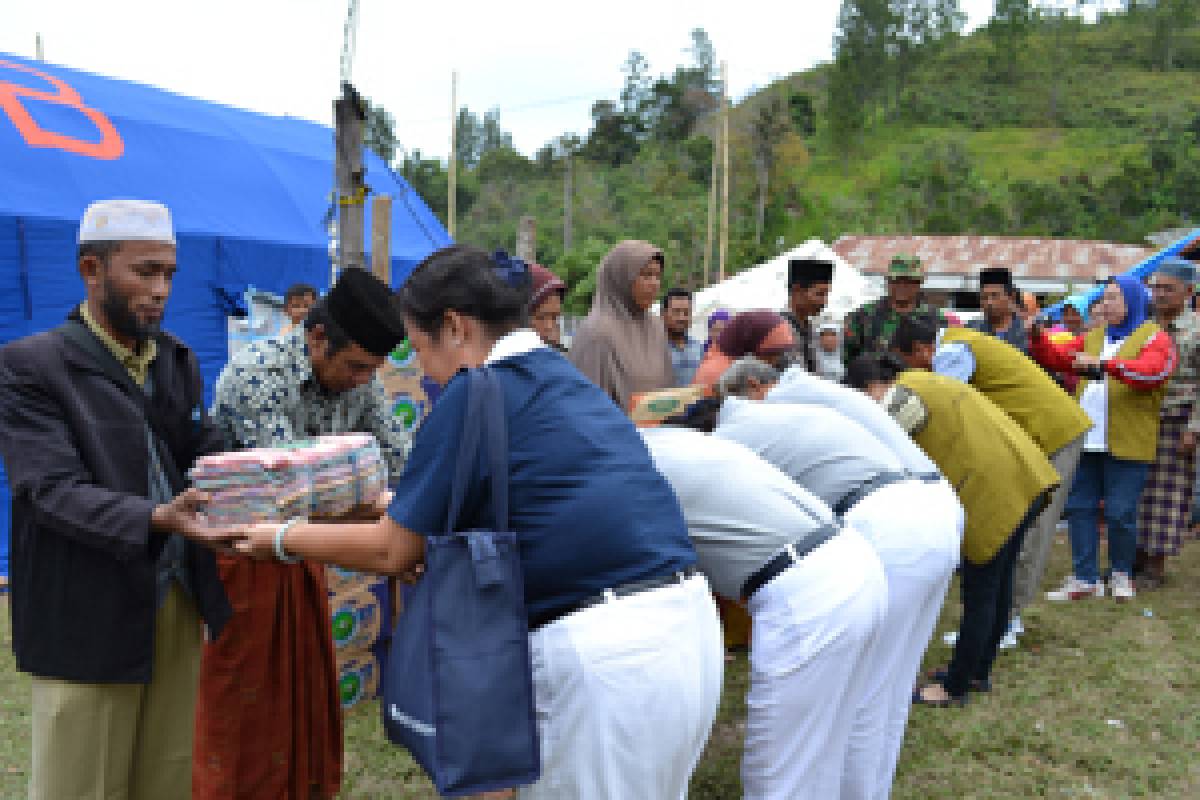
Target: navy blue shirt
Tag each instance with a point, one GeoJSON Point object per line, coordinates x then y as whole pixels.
{"type": "Point", "coordinates": [589, 507]}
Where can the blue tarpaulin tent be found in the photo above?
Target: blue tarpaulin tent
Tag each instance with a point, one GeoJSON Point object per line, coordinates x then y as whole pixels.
{"type": "Point", "coordinates": [249, 194]}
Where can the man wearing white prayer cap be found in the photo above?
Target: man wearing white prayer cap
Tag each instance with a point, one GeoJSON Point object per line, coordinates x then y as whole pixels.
{"type": "Point", "coordinates": [100, 420]}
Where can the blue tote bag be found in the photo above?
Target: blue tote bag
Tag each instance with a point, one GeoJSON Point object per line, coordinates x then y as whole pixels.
{"type": "Point", "coordinates": [458, 685]}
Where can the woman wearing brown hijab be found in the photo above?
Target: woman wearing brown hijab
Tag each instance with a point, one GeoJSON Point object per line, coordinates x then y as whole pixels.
{"type": "Point", "coordinates": [620, 346]}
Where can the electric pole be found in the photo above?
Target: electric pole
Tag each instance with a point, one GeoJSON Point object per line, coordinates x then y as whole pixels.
{"type": "Point", "coordinates": [452, 176]}
{"type": "Point", "coordinates": [568, 199]}
{"type": "Point", "coordinates": [350, 115]}
{"type": "Point", "coordinates": [724, 169]}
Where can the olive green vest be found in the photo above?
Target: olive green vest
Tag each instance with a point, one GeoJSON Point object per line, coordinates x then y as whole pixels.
{"type": "Point", "coordinates": [1025, 392]}
{"type": "Point", "coordinates": [996, 469]}
{"type": "Point", "coordinates": [1132, 414]}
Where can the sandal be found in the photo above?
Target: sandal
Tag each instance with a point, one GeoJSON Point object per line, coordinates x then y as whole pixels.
{"type": "Point", "coordinates": [951, 701]}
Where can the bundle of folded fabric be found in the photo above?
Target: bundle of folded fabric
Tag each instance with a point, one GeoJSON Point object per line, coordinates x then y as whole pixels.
{"type": "Point", "coordinates": [327, 476]}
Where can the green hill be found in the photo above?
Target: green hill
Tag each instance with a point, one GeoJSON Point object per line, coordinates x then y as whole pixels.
{"type": "Point", "coordinates": [1082, 134]}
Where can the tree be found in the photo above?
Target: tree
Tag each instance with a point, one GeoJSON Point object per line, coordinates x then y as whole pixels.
{"type": "Point", "coordinates": [803, 114]}
{"type": "Point", "coordinates": [635, 94]}
{"type": "Point", "coordinates": [771, 123]}
{"type": "Point", "coordinates": [847, 118]}
{"type": "Point", "coordinates": [379, 132]}
{"type": "Point", "coordinates": [704, 61]}
{"type": "Point", "coordinates": [493, 137]}
{"type": "Point", "coordinates": [1062, 19]}
{"type": "Point", "coordinates": [1008, 30]}
{"type": "Point", "coordinates": [917, 27]}
{"type": "Point", "coordinates": [1168, 19]}
{"type": "Point", "coordinates": [614, 136]}
{"type": "Point", "coordinates": [866, 32]}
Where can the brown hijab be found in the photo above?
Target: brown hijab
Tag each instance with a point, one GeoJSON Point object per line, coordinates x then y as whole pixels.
{"type": "Point", "coordinates": [619, 347]}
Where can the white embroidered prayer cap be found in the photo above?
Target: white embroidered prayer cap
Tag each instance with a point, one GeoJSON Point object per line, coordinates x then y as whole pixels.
{"type": "Point", "coordinates": [126, 221]}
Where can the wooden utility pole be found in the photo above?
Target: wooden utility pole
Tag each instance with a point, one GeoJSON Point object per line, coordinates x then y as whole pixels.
{"type": "Point", "coordinates": [527, 239]}
{"type": "Point", "coordinates": [381, 237]}
{"type": "Point", "coordinates": [568, 200]}
{"type": "Point", "coordinates": [724, 170]}
{"type": "Point", "coordinates": [350, 114]}
{"type": "Point", "coordinates": [452, 191]}
{"type": "Point", "coordinates": [712, 206]}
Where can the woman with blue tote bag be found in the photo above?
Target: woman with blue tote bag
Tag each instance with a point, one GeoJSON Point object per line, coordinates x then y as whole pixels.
{"type": "Point", "coordinates": [624, 636]}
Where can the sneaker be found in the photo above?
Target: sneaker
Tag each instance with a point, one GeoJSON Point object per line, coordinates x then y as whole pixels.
{"type": "Point", "coordinates": [1009, 641]}
{"type": "Point", "coordinates": [1122, 587]}
{"type": "Point", "coordinates": [1075, 589]}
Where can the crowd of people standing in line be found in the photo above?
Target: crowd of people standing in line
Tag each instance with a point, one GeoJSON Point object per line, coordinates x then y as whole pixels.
{"type": "Point", "coordinates": [826, 499]}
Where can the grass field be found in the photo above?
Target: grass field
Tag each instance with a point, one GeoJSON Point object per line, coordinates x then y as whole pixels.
{"type": "Point", "coordinates": [1101, 701]}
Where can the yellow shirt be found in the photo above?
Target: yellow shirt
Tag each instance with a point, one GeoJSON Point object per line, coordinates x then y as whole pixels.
{"type": "Point", "coordinates": [138, 364]}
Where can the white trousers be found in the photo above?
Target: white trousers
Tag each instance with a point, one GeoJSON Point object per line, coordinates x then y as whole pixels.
{"type": "Point", "coordinates": [626, 694]}
{"type": "Point", "coordinates": [812, 625]}
{"type": "Point", "coordinates": [916, 530]}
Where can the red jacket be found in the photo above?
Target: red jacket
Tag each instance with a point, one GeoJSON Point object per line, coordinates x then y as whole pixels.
{"type": "Point", "coordinates": [1151, 369]}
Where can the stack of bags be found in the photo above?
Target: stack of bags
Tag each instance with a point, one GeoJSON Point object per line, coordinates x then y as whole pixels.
{"type": "Point", "coordinates": [361, 621]}
{"type": "Point", "coordinates": [327, 476]}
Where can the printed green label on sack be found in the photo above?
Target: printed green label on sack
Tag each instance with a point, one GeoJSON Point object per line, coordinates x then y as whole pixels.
{"type": "Point", "coordinates": [349, 688]}
{"type": "Point", "coordinates": [407, 412]}
{"type": "Point", "coordinates": [662, 405]}
{"type": "Point", "coordinates": [344, 623]}
{"type": "Point", "coordinates": [403, 354]}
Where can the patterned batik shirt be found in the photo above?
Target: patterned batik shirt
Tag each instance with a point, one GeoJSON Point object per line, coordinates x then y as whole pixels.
{"type": "Point", "coordinates": [268, 396]}
{"type": "Point", "coordinates": [1184, 388]}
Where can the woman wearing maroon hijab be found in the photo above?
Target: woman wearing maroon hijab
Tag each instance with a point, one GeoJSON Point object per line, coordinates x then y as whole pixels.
{"type": "Point", "coordinates": [763, 334]}
{"type": "Point", "coordinates": [545, 305]}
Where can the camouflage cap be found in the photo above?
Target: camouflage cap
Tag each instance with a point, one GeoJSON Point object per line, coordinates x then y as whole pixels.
{"type": "Point", "coordinates": [904, 265]}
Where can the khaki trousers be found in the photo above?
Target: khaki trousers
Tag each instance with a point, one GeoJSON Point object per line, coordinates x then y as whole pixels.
{"type": "Point", "coordinates": [96, 741]}
{"type": "Point", "coordinates": [1031, 563]}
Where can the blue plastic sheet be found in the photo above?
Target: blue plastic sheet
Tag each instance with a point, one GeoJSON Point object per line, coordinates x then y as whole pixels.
{"type": "Point", "coordinates": [249, 194]}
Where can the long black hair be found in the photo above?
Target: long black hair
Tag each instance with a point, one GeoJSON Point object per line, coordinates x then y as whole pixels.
{"type": "Point", "coordinates": [492, 289]}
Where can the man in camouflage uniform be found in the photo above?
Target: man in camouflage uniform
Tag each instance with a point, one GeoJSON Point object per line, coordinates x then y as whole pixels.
{"type": "Point", "coordinates": [869, 328]}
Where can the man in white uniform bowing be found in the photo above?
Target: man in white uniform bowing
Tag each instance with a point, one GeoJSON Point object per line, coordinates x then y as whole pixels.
{"type": "Point", "coordinates": [912, 524]}
{"type": "Point", "coordinates": [816, 594]}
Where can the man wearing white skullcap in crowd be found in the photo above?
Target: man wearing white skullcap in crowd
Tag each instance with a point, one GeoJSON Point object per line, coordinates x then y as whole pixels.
{"type": "Point", "coordinates": [100, 420]}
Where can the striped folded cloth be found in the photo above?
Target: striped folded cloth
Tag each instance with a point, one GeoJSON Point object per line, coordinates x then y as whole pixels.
{"type": "Point", "coordinates": [325, 476]}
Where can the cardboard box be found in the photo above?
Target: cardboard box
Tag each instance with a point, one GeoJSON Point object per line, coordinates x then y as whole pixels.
{"type": "Point", "coordinates": [357, 620]}
{"type": "Point", "coordinates": [358, 679]}
{"type": "Point", "coordinates": [652, 408]}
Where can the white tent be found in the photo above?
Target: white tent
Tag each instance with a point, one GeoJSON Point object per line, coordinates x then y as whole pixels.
{"type": "Point", "coordinates": [765, 286]}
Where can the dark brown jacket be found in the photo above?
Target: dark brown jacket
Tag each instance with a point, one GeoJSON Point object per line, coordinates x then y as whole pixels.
{"type": "Point", "coordinates": [83, 562]}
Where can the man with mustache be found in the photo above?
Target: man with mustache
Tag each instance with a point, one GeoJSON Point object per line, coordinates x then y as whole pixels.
{"type": "Point", "coordinates": [100, 420]}
{"type": "Point", "coordinates": [269, 723]}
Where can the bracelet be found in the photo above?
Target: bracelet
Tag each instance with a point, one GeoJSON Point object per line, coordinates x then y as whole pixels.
{"type": "Point", "coordinates": [280, 553]}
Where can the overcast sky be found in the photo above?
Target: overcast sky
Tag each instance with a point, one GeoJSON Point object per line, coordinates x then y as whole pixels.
{"type": "Point", "coordinates": [541, 62]}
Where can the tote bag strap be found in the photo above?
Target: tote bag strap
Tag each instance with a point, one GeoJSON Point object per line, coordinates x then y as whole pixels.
{"type": "Point", "coordinates": [484, 420]}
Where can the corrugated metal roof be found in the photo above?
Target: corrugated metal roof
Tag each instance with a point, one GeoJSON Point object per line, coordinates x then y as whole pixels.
{"type": "Point", "coordinates": [1051, 260]}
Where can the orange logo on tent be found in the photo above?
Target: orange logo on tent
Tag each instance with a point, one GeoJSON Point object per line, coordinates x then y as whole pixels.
{"type": "Point", "coordinates": [110, 146]}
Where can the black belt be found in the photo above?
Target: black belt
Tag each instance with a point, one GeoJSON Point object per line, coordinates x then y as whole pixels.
{"type": "Point", "coordinates": [624, 590]}
{"type": "Point", "coordinates": [790, 555]}
{"type": "Point", "coordinates": [855, 495]}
